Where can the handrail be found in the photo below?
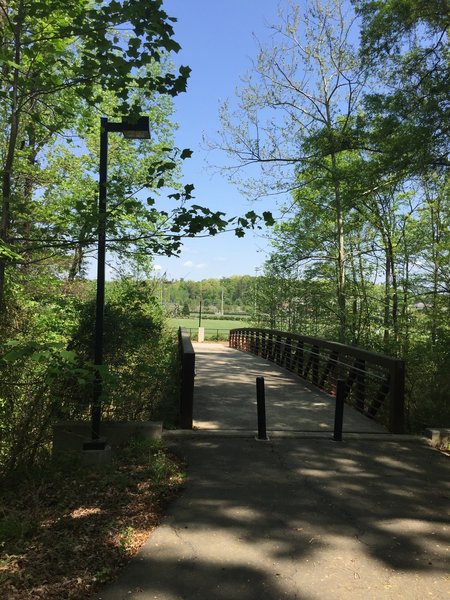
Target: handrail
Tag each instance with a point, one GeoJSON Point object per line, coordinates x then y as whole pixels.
{"type": "Point", "coordinates": [186, 355]}
{"type": "Point", "coordinates": [375, 383]}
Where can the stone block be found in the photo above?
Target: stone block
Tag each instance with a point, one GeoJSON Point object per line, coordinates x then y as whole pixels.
{"type": "Point", "coordinates": [438, 437]}
{"type": "Point", "coordinates": [70, 436]}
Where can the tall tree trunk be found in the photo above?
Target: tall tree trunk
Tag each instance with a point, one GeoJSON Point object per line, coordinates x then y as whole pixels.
{"type": "Point", "coordinates": [387, 301]}
{"type": "Point", "coordinates": [27, 225]}
{"type": "Point", "coordinates": [78, 256]}
{"type": "Point", "coordinates": [341, 258]}
{"type": "Point", "coordinates": [9, 158]}
{"type": "Point", "coordinates": [435, 239]}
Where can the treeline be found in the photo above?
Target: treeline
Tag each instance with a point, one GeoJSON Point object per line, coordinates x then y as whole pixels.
{"type": "Point", "coordinates": [233, 295]}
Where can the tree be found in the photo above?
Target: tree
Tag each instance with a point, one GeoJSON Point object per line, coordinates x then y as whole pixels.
{"type": "Point", "coordinates": [56, 52]}
{"type": "Point", "coordinates": [64, 64]}
{"type": "Point", "coordinates": [405, 42]}
{"type": "Point", "coordinates": [298, 112]}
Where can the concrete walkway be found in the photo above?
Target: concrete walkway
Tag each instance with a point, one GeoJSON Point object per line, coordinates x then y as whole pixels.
{"type": "Point", "coordinates": [300, 518]}
{"type": "Point", "coordinates": [225, 396]}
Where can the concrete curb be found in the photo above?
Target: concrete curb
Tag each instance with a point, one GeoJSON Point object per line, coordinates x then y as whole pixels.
{"type": "Point", "coordinates": [241, 433]}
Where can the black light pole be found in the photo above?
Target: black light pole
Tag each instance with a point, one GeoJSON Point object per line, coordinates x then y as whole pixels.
{"type": "Point", "coordinates": [137, 129]}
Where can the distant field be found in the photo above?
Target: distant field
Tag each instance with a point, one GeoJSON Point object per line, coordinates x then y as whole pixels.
{"type": "Point", "coordinates": [214, 329]}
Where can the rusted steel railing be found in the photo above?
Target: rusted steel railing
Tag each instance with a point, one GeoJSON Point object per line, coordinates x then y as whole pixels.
{"type": "Point", "coordinates": [374, 383]}
{"type": "Point", "coordinates": [187, 373]}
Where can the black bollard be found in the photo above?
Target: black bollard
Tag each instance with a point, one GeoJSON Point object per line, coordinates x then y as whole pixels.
{"type": "Point", "coordinates": [339, 410]}
{"type": "Point", "coordinates": [261, 406]}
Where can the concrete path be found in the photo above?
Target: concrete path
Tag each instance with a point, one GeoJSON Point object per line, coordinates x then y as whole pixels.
{"type": "Point", "coordinates": [225, 396]}
{"type": "Point", "coordinates": [301, 518]}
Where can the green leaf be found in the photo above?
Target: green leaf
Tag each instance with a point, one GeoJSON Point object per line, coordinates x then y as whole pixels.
{"type": "Point", "coordinates": [268, 218]}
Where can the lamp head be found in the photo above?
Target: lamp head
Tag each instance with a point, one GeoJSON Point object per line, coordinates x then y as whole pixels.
{"type": "Point", "coordinates": [136, 130]}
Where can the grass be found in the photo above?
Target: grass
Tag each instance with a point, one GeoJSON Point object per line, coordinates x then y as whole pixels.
{"type": "Point", "coordinates": [214, 328]}
{"type": "Point", "coordinates": [67, 529]}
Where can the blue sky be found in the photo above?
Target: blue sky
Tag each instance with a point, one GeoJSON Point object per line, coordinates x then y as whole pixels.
{"type": "Point", "coordinates": [218, 43]}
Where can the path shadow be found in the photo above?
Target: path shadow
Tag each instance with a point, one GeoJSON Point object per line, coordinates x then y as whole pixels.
{"type": "Point", "coordinates": [290, 518]}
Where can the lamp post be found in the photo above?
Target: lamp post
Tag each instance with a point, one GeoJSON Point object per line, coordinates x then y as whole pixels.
{"type": "Point", "coordinates": [131, 129]}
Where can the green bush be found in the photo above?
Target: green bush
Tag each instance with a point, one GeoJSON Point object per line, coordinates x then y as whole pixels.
{"type": "Point", "coordinates": [46, 366]}
{"type": "Point", "coordinates": [139, 354]}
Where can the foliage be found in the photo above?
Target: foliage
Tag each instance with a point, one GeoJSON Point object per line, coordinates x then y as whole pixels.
{"type": "Point", "coordinates": [139, 353]}
{"type": "Point", "coordinates": [52, 517]}
{"type": "Point", "coordinates": [238, 295]}
{"type": "Point", "coordinates": [59, 75]}
{"type": "Point", "coordinates": [56, 65]}
{"type": "Point", "coordinates": [31, 362]}
{"type": "Point", "coordinates": [63, 65]}
{"type": "Point", "coordinates": [361, 253]}
{"type": "Point", "coordinates": [407, 43]}
{"type": "Point", "coordinates": [47, 370]}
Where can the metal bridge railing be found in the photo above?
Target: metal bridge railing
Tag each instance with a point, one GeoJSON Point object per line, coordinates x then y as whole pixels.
{"type": "Point", "coordinates": [374, 383]}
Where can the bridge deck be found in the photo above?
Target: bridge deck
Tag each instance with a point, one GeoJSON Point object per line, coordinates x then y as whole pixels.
{"type": "Point", "coordinates": [225, 396]}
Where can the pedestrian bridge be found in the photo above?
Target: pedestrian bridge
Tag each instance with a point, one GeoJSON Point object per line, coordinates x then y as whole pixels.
{"type": "Point", "coordinates": [300, 377]}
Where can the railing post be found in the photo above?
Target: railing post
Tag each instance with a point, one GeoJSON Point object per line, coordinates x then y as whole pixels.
{"type": "Point", "coordinates": [278, 350]}
{"type": "Point", "coordinates": [299, 358]}
{"type": "Point", "coordinates": [271, 353]}
{"type": "Point", "coordinates": [375, 383]}
{"type": "Point", "coordinates": [258, 344]}
{"type": "Point", "coordinates": [264, 345]}
{"type": "Point", "coordinates": [287, 352]}
{"type": "Point", "coordinates": [246, 340]}
{"type": "Point", "coordinates": [360, 393]}
{"type": "Point", "coordinates": [315, 365]}
{"type": "Point", "coordinates": [397, 397]}
{"type": "Point", "coordinates": [339, 410]}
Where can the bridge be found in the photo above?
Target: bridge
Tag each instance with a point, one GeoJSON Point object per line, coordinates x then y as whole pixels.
{"type": "Point", "coordinates": [301, 516]}
{"type": "Point", "coordinates": [300, 375]}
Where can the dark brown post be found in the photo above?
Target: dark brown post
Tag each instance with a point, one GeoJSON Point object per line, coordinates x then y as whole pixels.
{"type": "Point", "coordinates": [270, 347]}
{"type": "Point", "coordinates": [397, 397]}
{"type": "Point", "coordinates": [261, 408]}
{"type": "Point", "coordinates": [247, 340]}
{"type": "Point", "coordinates": [315, 356]}
{"type": "Point", "coordinates": [360, 393]}
{"type": "Point", "coordinates": [286, 358]}
{"type": "Point", "coordinates": [278, 350]}
{"type": "Point", "coordinates": [299, 359]}
{"type": "Point", "coordinates": [339, 410]}
{"type": "Point", "coordinates": [264, 344]}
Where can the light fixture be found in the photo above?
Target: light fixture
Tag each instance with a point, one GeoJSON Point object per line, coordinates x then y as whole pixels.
{"type": "Point", "coordinates": [134, 129]}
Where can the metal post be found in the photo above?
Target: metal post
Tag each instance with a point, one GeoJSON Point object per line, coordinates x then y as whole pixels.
{"type": "Point", "coordinates": [339, 410]}
{"type": "Point", "coordinates": [131, 129]}
{"type": "Point", "coordinates": [261, 407]}
{"type": "Point", "coordinates": [397, 397]}
{"type": "Point", "coordinates": [100, 299]}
